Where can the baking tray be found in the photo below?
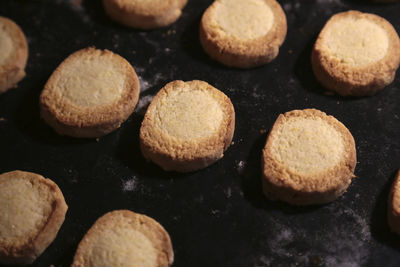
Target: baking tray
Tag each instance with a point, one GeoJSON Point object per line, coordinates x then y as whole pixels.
{"type": "Point", "coordinates": [217, 216]}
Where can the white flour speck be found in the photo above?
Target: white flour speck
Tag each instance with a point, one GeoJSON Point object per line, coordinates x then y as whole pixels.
{"type": "Point", "coordinates": [240, 166]}
{"type": "Point", "coordinates": [129, 185]}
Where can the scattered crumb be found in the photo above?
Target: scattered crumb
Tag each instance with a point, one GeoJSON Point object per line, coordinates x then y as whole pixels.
{"type": "Point", "coordinates": [213, 212]}
{"type": "Point", "coordinates": [379, 109]}
{"type": "Point", "coordinates": [97, 139]}
{"type": "Point", "coordinates": [169, 32]}
{"type": "Point", "coordinates": [134, 52]}
{"type": "Point", "coordinates": [2, 119]}
{"type": "Point", "coordinates": [263, 131]}
{"type": "Point", "coordinates": [232, 143]}
{"type": "Point", "coordinates": [290, 51]}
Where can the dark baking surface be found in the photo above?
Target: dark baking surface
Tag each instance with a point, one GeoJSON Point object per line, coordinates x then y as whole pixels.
{"type": "Point", "coordinates": [216, 216]}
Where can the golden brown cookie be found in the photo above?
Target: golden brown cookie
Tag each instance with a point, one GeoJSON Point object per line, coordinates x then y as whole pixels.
{"type": "Point", "coordinates": [356, 54]}
{"type": "Point", "coordinates": [187, 126]}
{"type": "Point", "coordinates": [90, 94]}
{"type": "Point", "coordinates": [32, 210]}
{"type": "Point", "coordinates": [309, 158]}
{"type": "Point", "coordinates": [13, 54]}
{"type": "Point", "coordinates": [148, 14]}
{"type": "Point", "coordinates": [393, 212]}
{"type": "Point", "coordinates": [243, 33]}
{"type": "Point", "coordinates": [125, 238]}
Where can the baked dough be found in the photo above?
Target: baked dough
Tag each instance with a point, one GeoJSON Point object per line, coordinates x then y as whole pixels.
{"type": "Point", "coordinates": [32, 210]}
{"type": "Point", "coordinates": [243, 33]}
{"type": "Point", "coordinates": [144, 14]}
{"type": "Point", "coordinates": [393, 212]}
{"type": "Point", "coordinates": [13, 54]}
{"type": "Point", "coordinates": [125, 238]}
{"type": "Point", "coordinates": [356, 54]}
{"type": "Point", "coordinates": [90, 94]}
{"type": "Point", "coordinates": [187, 126]}
{"type": "Point", "coordinates": [309, 158]}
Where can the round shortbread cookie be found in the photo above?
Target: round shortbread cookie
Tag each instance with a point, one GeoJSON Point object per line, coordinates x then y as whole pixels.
{"type": "Point", "coordinates": [187, 126]}
{"type": "Point", "coordinates": [90, 94]}
{"type": "Point", "coordinates": [125, 238]}
{"type": "Point", "coordinates": [243, 33]}
{"type": "Point", "coordinates": [13, 54]}
{"type": "Point", "coordinates": [144, 14]}
{"type": "Point", "coordinates": [356, 54]}
{"type": "Point", "coordinates": [32, 210]}
{"type": "Point", "coordinates": [309, 158]}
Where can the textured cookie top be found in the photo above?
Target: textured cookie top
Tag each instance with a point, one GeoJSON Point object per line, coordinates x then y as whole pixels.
{"type": "Point", "coordinates": [307, 145]}
{"type": "Point", "coordinates": [188, 112]}
{"type": "Point", "coordinates": [125, 238]}
{"type": "Point", "coordinates": [24, 207]}
{"type": "Point", "coordinates": [122, 246]}
{"type": "Point", "coordinates": [356, 41]}
{"type": "Point", "coordinates": [93, 80]}
{"type": "Point", "coordinates": [6, 42]}
{"type": "Point", "coordinates": [243, 19]}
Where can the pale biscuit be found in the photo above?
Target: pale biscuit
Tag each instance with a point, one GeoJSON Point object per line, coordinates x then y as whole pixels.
{"type": "Point", "coordinates": [187, 126]}
{"type": "Point", "coordinates": [90, 94]}
{"type": "Point", "coordinates": [144, 14]}
{"type": "Point", "coordinates": [13, 54]}
{"type": "Point", "coordinates": [309, 158]}
{"type": "Point", "coordinates": [356, 54]}
{"type": "Point", "coordinates": [243, 33]}
{"type": "Point", "coordinates": [393, 211]}
{"type": "Point", "coordinates": [32, 210]}
{"type": "Point", "coordinates": [125, 238]}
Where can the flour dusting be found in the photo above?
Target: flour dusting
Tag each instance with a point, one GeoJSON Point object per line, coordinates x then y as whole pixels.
{"type": "Point", "coordinates": [240, 166]}
{"type": "Point", "coordinates": [341, 241]}
{"type": "Point", "coordinates": [143, 103]}
{"type": "Point", "coordinates": [129, 185]}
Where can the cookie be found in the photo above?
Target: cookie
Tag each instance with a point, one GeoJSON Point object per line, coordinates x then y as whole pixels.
{"type": "Point", "coordinates": [187, 126]}
{"type": "Point", "coordinates": [393, 212]}
{"type": "Point", "coordinates": [243, 33]}
{"type": "Point", "coordinates": [32, 210]}
{"type": "Point", "coordinates": [149, 14]}
{"type": "Point", "coordinates": [356, 54]}
{"type": "Point", "coordinates": [90, 94]}
{"type": "Point", "coordinates": [125, 238]}
{"type": "Point", "coordinates": [309, 158]}
{"type": "Point", "coordinates": [13, 54]}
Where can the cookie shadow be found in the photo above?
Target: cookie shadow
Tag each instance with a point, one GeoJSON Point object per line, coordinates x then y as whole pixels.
{"type": "Point", "coordinates": [190, 43]}
{"type": "Point", "coordinates": [252, 186]}
{"type": "Point", "coordinates": [380, 229]}
{"type": "Point", "coordinates": [128, 148]}
{"type": "Point", "coordinates": [27, 119]}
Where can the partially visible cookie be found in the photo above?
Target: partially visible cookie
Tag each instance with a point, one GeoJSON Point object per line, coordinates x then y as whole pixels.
{"type": "Point", "coordinates": [125, 238]}
{"type": "Point", "coordinates": [13, 54]}
{"type": "Point", "coordinates": [309, 158]}
{"type": "Point", "coordinates": [243, 33]}
{"type": "Point", "coordinates": [32, 210]}
{"type": "Point", "coordinates": [149, 14]}
{"type": "Point", "coordinates": [356, 54]}
{"type": "Point", "coordinates": [393, 212]}
{"type": "Point", "coordinates": [187, 126]}
{"type": "Point", "coordinates": [91, 93]}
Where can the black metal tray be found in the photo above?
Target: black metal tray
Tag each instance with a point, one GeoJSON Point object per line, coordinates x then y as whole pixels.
{"type": "Point", "coordinates": [216, 216]}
